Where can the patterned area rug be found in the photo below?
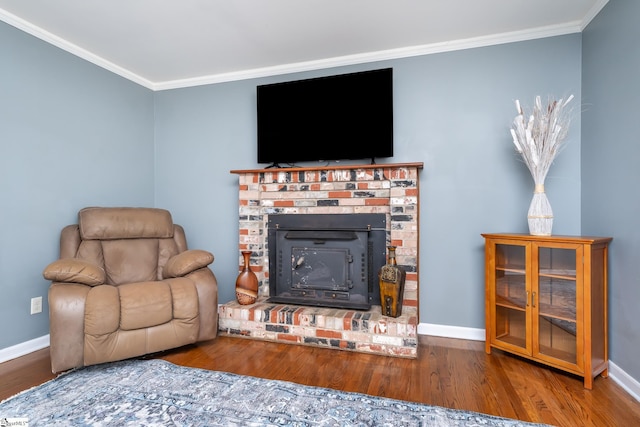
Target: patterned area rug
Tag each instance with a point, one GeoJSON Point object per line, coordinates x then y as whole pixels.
{"type": "Point", "coordinates": [159, 393]}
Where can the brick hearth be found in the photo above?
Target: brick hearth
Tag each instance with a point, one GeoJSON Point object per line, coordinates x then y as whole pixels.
{"type": "Point", "coordinates": [391, 189]}
{"type": "Point", "coordinates": [362, 331]}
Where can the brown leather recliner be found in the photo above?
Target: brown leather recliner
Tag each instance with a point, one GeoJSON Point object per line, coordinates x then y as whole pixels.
{"type": "Point", "coordinates": [126, 285]}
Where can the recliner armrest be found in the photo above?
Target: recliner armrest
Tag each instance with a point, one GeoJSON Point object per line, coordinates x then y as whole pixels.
{"type": "Point", "coordinates": [73, 270]}
{"type": "Point", "coordinates": [186, 262]}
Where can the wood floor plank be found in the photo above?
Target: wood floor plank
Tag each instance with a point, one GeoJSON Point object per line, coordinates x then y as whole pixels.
{"type": "Point", "coordinates": [25, 372]}
{"type": "Point", "coordinates": [452, 373]}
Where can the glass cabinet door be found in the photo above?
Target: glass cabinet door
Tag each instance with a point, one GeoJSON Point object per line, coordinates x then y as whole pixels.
{"type": "Point", "coordinates": [510, 296]}
{"type": "Point", "coordinates": [546, 300]}
{"type": "Point", "coordinates": [555, 321]}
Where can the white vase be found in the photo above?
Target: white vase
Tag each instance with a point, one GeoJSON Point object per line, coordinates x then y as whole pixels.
{"type": "Point", "coordinates": [540, 215]}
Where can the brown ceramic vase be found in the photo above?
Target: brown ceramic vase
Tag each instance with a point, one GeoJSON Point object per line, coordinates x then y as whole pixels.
{"type": "Point", "coordinates": [247, 282]}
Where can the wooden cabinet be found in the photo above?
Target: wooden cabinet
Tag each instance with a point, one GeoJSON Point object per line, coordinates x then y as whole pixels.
{"type": "Point", "coordinates": [546, 300]}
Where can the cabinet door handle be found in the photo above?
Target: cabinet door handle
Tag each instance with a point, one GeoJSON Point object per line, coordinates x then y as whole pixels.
{"type": "Point", "coordinates": [533, 299]}
{"type": "Point", "coordinates": [527, 300]}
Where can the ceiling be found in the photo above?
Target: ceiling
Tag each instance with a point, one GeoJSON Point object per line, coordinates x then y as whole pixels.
{"type": "Point", "coordinates": [164, 44]}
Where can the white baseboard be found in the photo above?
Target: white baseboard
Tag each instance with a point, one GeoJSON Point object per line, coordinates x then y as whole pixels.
{"type": "Point", "coordinates": [624, 380]}
{"type": "Point", "coordinates": [446, 331]}
{"type": "Point", "coordinates": [26, 347]}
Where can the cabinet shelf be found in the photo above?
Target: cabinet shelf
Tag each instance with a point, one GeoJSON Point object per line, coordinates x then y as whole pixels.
{"type": "Point", "coordinates": [558, 274]}
{"type": "Point", "coordinates": [547, 300]}
{"type": "Point", "coordinates": [560, 313]}
{"type": "Point", "coordinates": [512, 270]}
{"type": "Point", "coordinates": [546, 310]}
{"type": "Point", "coordinates": [509, 339]}
{"type": "Point", "coordinates": [558, 354]}
{"type": "Point", "coordinates": [512, 303]}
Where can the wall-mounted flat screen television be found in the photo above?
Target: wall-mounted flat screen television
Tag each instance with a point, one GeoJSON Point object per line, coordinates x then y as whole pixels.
{"type": "Point", "coordinates": [340, 117]}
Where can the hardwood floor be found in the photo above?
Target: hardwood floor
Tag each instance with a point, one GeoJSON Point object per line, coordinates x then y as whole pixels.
{"type": "Point", "coordinates": [448, 372]}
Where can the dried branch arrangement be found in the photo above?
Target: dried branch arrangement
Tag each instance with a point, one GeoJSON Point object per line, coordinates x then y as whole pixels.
{"type": "Point", "coordinates": [539, 140]}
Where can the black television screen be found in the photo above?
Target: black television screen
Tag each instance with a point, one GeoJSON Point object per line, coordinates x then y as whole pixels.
{"type": "Point", "coordinates": [341, 117]}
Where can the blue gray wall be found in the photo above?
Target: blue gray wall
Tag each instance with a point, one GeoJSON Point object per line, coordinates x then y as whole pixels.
{"type": "Point", "coordinates": [610, 171]}
{"type": "Point", "coordinates": [452, 112]}
{"type": "Point", "coordinates": [71, 135]}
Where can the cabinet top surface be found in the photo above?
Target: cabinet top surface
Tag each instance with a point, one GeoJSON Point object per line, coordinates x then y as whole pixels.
{"type": "Point", "coordinates": [553, 238]}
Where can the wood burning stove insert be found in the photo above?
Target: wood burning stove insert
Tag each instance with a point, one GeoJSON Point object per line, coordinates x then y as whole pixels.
{"type": "Point", "coordinates": [327, 260]}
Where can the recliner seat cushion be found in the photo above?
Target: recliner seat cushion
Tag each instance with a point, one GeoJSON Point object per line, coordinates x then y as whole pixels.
{"type": "Point", "coordinates": [102, 310]}
{"type": "Point", "coordinates": [140, 305]}
{"type": "Point", "coordinates": [115, 327]}
{"type": "Point", "coordinates": [145, 304]}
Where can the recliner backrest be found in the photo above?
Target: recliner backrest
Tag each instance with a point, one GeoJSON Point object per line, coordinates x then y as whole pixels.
{"type": "Point", "coordinates": [131, 244]}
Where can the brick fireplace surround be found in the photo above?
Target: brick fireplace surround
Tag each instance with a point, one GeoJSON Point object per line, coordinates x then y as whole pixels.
{"type": "Point", "coordinates": [391, 189]}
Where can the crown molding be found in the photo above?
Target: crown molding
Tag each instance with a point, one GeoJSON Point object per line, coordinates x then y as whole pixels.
{"type": "Point", "coordinates": [405, 52]}
{"type": "Point", "coordinates": [592, 13]}
{"type": "Point", "coordinates": [74, 49]}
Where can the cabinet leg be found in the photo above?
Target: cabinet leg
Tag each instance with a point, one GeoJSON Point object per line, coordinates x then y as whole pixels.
{"type": "Point", "coordinates": [588, 382]}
